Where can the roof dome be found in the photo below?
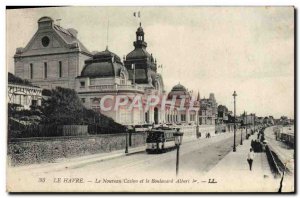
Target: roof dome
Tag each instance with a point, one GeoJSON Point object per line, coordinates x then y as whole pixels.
{"type": "Point", "coordinates": [106, 54]}
{"type": "Point", "coordinates": [138, 53]}
{"type": "Point", "coordinates": [103, 64]}
{"type": "Point", "coordinates": [140, 29]}
{"type": "Point", "coordinates": [178, 91]}
{"type": "Point", "coordinates": [178, 87]}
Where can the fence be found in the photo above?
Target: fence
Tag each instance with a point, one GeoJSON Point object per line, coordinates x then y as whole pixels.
{"type": "Point", "coordinates": [73, 130]}
{"type": "Point", "coordinates": [272, 162]}
{"type": "Point", "coordinates": [19, 129]}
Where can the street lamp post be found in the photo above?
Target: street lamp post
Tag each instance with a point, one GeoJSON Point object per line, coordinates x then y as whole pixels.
{"type": "Point", "coordinates": [197, 127]}
{"type": "Point", "coordinates": [242, 131]}
{"type": "Point", "coordinates": [234, 128]}
{"type": "Point", "coordinates": [254, 123]}
{"type": "Point", "coordinates": [126, 141]}
{"type": "Point", "coordinates": [246, 125]}
{"type": "Point", "coordinates": [178, 140]}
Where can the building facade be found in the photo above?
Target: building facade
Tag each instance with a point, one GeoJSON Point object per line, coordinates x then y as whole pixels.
{"type": "Point", "coordinates": [208, 111]}
{"type": "Point", "coordinates": [23, 94]}
{"type": "Point", "coordinates": [53, 57]}
{"type": "Point", "coordinates": [104, 76]}
{"type": "Point", "coordinates": [185, 109]}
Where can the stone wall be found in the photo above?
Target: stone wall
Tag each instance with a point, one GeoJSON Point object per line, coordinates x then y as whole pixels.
{"type": "Point", "coordinates": [38, 150]}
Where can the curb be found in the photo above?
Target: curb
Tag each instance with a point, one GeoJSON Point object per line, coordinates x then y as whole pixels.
{"type": "Point", "coordinates": [106, 158]}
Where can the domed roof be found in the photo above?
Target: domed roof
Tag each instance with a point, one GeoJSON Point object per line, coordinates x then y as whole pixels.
{"type": "Point", "coordinates": [178, 91]}
{"type": "Point", "coordinates": [178, 87]}
{"type": "Point", "coordinates": [138, 53]}
{"type": "Point", "coordinates": [140, 29]}
{"type": "Point", "coordinates": [106, 54]}
{"type": "Point", "coordinates": [103, 64]}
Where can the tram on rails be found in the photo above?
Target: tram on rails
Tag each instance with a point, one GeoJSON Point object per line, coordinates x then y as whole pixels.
{"type": "Point", "coordinates": [160, 140]}
{"type": "Point", "coordinates": [287, 137]}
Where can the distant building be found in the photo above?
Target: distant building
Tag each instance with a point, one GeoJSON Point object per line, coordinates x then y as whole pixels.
{"type": "Point", "coordinates": [208, 111]}
{"type": "Point", "coordinates": [185, 115]}
{"type": "Point", "coordinates": [222, 114]}
{"type": "Point", "coordinates": [249, 119]}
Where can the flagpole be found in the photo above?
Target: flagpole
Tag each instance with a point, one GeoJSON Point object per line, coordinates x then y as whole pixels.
{"type": "Point", "coordinates": [133, 67]}
{"type": "Point", "coordinates": [134, 75]}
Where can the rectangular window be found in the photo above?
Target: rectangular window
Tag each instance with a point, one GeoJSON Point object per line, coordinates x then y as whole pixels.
{"type": "Point", "coordinates": [83, 100]}
{"type": "Point", "coordinates": [60, 69]}
{"type": "Point", "coordinates": [82, 84]}
{"type": "Point", "coordinates": [34, 103]}
{"type": "Point", "coordinates": [45, 70]}
{"type": "Point", "coordinates": [31, 71]}
{"type": "Point", "coordinates": [183, 117]}
{"type": "Point", "coordinates": [191, 117]}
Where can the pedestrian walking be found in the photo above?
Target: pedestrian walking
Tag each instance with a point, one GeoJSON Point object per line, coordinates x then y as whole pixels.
{"type": "Point", "coordinates": [250, 158]}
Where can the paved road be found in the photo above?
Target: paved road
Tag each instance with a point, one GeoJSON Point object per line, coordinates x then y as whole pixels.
{"type": "Point", "coordinates": [196, 157]}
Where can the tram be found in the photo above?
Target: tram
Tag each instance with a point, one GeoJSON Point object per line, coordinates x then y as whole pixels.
{"type": "Point", "coordinates": [160, 140]}
{"type": "Point", "coordinates": [287, 137]}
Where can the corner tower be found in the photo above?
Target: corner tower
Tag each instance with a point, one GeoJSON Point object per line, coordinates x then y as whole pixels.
{"type": "Point", "coordinates": [141, 65]}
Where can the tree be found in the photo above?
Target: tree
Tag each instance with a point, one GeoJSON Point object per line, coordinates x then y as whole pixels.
{"type": "Point", "coordinates": [16, 80]}
{"type": "Point", "coordinates": [64, 108]}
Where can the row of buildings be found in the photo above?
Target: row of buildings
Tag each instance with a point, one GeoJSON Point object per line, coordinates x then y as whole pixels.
{"type": "Point", "coordinates": [54, 57]}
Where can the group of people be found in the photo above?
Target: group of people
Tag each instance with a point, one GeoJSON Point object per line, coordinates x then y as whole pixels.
{"type": "Point", "coordinates": [207, 135]}
{"type": "Point", "coordinates": [257, 146]}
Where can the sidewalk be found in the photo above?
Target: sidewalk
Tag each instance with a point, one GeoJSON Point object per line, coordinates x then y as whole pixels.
{"type": "Point", "coordinates": [65, 163]}
{"type": "Point", "coordinates": [232, 172]}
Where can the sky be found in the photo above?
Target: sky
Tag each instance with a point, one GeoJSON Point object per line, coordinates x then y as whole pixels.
{"type": "Point", "coordinates": [206, 49]}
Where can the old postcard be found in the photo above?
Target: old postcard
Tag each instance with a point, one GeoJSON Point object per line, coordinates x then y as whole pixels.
{"type": "Point", "coordinates": [150, 99]}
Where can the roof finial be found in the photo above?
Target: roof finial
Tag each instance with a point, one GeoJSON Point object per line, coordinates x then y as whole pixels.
{"type": "Point", "coordinates": [140, 24]}
{"type": "Point", "coordinates": [106, 48]}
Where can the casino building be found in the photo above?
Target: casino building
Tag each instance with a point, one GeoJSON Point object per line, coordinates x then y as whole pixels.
{"type": "Point", "coordinates": [55, 57]}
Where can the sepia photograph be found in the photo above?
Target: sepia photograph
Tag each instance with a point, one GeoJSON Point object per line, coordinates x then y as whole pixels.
{"type": "Point", "coordinates": [158, 99]}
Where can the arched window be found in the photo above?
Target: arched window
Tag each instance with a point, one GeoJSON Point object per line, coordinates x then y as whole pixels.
{"type": "Point", "coordinates": [156, 85]}
{"type": "Point", "coordinates": [122, 79]}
